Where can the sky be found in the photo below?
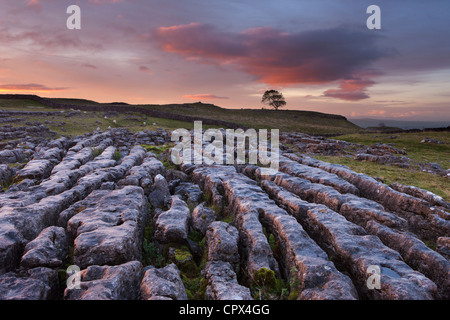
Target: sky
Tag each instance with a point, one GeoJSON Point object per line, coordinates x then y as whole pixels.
{"type": "Point", "coordinates": [318, 53]}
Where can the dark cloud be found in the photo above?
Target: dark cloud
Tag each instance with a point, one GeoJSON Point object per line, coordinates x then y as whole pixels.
{"type": "Point", "coordinates": [277, 58]}
{"type": "Point", "coordinates": [88, 65]}
{"type": "Point", "coordinates": [351, 90]}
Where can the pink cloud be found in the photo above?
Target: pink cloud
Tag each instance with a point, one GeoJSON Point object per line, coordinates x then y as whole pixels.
{"type": "Point", "coordinates": [376, 112]}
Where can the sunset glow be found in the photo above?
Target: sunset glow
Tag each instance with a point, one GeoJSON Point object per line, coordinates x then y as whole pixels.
{"type": "Point", "coordinates": [320, 54]}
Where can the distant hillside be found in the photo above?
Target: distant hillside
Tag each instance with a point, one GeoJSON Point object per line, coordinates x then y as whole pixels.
{"type": "Point", "coordinates": [405, 125]}
{"type": "Point", "coordinates": [284, 120]}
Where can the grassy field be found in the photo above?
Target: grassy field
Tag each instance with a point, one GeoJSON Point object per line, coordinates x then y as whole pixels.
{"type": "Point", "coordinates": [417, 151]}
{"type": "Point", "coordinates": [65, 122]}
{"type": "Point", "coordinates": [411, 143]}
{"type": "Point", "coordinates": [284, 120]}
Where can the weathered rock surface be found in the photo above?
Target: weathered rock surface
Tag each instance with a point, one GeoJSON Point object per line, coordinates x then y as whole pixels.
{"type": "Point", "coordinates": [354, 250]}
{"type": "Point", "coordinates": [110, 232]}
{"type": "Point", "coordinates": [222, 243]}
{"type": "Point", "coordinates": [162, 284]}
{"type": "Point", "coordinates": [36, 284]}
{"type": "Point", "coordinates": [173, 225]}
{"type": "Point", "coordinates": [49, 249]}
{"type": "Point", "coordinates": [223, 284]}
{"type": "Point", "coordinates": [202, 217]}
{"type": "Point", "coordinates": [443, 247]}
{"type": "Point", "coordinates": [225, 182]}
{"type": "Point", "coordinates": [189, 192]}
{"type": "Point", "coordinates": [160, 196]}
{"type": "Point", "coordinates": [428, 196]}
{"type": "Point", "coordinates": [249, 204]}
{"type": "Point", "coordinates": [428, 221]}
{"type": "Point", "coordinates": [316, 175]}
{"type": "Point", "coordinates": [108, 283]}
{"type": "Point", "coordinates": [417, 255]}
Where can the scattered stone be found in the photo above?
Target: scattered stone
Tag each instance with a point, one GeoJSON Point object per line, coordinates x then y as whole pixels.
{"type": "Point", "coordinates": [431, 140]}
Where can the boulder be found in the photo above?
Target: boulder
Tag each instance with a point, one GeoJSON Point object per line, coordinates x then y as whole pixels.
{"type": "Point", "coordinates": [160, 196]}
{"type": "Point", "coordinates": [6, 174]}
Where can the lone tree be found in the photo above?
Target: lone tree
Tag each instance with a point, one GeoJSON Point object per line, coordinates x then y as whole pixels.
{"type": "Point", "coordinates": [274, 99]}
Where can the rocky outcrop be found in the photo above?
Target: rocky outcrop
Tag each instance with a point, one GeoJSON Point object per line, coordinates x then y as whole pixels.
{"type": "Point", "coordinates": [317, 230]}
{"type": "Point", "coordinates": [443, 247]}
{"type": "Point", "coordinates": [423, 218]}
{"type": "Point", "coordinates": [354, 250]}
{"type": "Point", "coordinates": [301, 258]}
